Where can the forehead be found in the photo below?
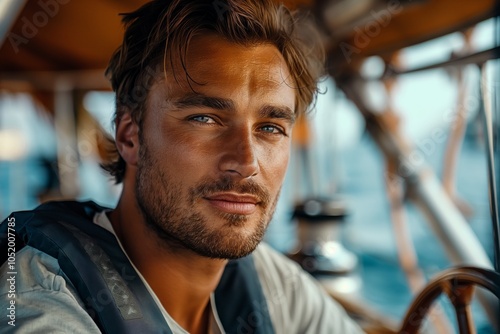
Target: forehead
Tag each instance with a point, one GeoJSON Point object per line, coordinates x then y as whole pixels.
{"type": "Point", "coordinates": [208, 50]}
{"type": "Point", "coordinates": [214, 65]}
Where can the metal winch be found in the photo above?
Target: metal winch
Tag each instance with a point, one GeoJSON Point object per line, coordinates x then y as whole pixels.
{"type": "Point", "coordinates": [320, 250]}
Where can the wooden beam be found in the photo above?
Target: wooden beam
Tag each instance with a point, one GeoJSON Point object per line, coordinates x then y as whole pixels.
{"type": "Point", "coordinates": [47, 80]}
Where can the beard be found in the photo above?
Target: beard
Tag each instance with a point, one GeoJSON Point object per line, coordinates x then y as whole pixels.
{"type": "Point", "coordinates": [170, 212]}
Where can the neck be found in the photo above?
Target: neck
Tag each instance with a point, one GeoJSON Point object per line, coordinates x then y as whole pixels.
{"type": "Point", "coordinates": [181, 279]}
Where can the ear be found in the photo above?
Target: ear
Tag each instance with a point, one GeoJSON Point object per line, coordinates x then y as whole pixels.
{"type": "Point", "coordinates": [127, 139]}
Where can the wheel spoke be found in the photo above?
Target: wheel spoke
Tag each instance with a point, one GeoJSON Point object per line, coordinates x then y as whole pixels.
{"type": "Point", "coordinates": [460, 296]}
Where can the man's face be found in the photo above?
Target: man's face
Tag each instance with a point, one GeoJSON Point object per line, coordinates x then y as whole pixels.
{"type": "Point", "coordinates": [213, 156]}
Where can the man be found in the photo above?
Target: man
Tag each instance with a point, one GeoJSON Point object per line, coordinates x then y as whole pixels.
{"type": "Point", "coordinates": [206, 97]}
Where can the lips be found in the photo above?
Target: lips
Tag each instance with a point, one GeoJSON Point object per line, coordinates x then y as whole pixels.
{"type": "Point", "coordinates": [232, 203]}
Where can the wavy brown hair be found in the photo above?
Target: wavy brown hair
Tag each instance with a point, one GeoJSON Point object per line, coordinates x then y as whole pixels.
{"type": "Point", "coordinates": [161, 30]}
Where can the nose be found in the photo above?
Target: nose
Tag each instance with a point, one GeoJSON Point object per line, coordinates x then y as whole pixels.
{"type": "Point", "coordinates": [239, 154]}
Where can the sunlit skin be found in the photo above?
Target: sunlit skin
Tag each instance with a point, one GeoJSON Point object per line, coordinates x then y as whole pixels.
{"type": "Point", "coordinates": [233, 132]}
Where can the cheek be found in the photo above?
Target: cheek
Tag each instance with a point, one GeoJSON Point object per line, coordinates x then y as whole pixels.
{"type": "Point", "coordinates": [276, 164]}
{"type": "Point", "coordinates": [180, 151]}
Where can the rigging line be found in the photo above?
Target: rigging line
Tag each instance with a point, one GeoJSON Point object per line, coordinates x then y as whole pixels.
{"type": "Point", "coordinates": [457, 130]}
{"type": "Point", "coordinates": [496, 147]}
{"type": "Point", "coordinates": [491, 133]}
{"type": "Point", "coordinates": [478, 58]}
{"type": "Point", "coordinates": [405, 247]}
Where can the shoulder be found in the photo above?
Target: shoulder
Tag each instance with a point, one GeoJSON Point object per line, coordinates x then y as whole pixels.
{"type": "Point", "coordinates": [40, 297]}
{"type": "Point", "coordinates": [275, 269]}
{"type": "Point", "coordinates": [281, 278]}
{"type": "Point", "coordinates": [46, 216]}
{"type": "Point", "coordinates": [53, 211]}
{"type": "Point", "coordinates": [34, 270]}
{"type": "Point", "coordinates": [296, 301]}
{"type": "Point", "coordinates": [278, 271]}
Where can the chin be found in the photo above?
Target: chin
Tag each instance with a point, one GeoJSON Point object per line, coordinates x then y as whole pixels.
{"type": "Point", "coordinates": [233, 243]}
{"type": "Point", "coordinates": [229, 254]}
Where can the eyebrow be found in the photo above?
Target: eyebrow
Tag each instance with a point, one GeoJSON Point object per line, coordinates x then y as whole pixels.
{"type": "Point", "coordinates": [199, 100]}
{"type": "Point", "coordinates": [203, 101]}
{"type": "Point", "coordinates": [278, 112]}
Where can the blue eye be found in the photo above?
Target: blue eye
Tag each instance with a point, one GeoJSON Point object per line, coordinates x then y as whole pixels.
{"type": "Point", "coordinates": [202, 119]}
{"type": "Point", "coordinates": [272, 129]}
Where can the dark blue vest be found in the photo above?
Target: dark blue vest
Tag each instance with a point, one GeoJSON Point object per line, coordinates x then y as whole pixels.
{"type": "Point", "coordinates": [105, 280]}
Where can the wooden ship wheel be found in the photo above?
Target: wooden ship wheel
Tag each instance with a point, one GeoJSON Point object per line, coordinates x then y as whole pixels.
{"type": "Point", "coordinates": [458, 285]}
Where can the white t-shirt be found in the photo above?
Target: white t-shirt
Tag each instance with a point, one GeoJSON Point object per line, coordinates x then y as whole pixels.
{"type": "Point", "coordinates": [46, 302]}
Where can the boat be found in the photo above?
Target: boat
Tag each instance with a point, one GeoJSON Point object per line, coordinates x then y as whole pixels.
{"type": "Point", "coordinates": [56, 51]}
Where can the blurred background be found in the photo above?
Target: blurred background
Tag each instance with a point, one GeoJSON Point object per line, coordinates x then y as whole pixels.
{"type": "Point", "coordinates": [56, 110]}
